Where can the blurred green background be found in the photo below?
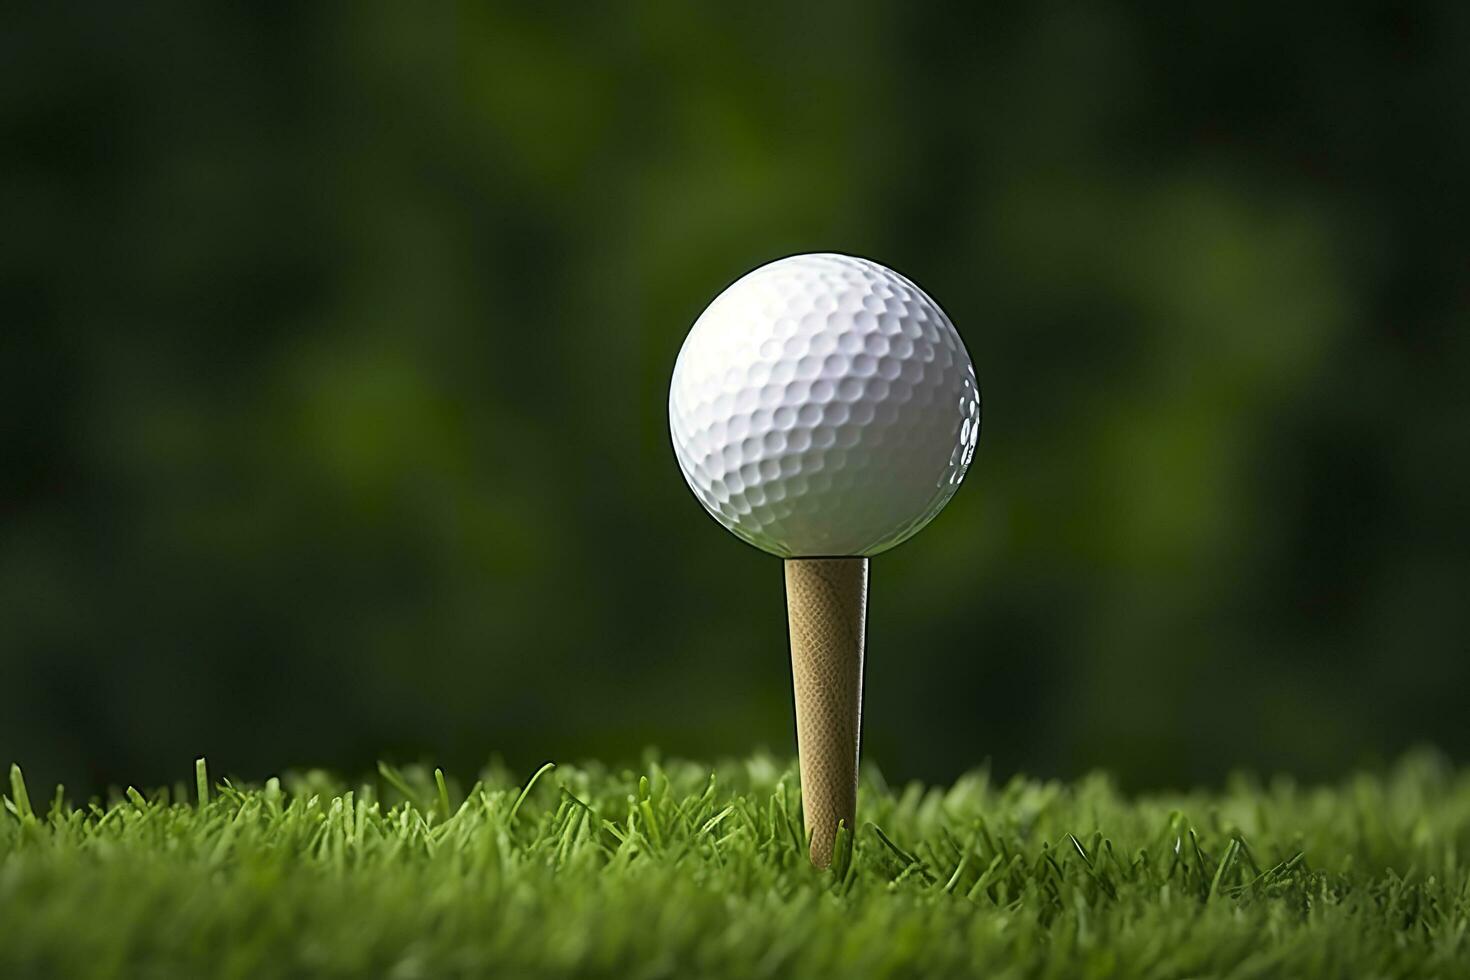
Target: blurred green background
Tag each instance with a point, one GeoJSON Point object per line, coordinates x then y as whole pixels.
{"type": "Point", "coordinates": [336, 343]}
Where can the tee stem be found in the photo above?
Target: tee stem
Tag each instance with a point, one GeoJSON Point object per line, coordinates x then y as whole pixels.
{"type": "Point", "coordinates": [826, 610]}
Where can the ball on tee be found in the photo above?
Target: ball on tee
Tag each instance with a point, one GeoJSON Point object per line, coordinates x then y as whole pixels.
{"type": "Point", "coordinates": [823, 405]}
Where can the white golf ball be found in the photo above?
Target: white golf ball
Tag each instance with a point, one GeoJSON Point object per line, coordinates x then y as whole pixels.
{"type": "Point", "coordinates": [824, 406]}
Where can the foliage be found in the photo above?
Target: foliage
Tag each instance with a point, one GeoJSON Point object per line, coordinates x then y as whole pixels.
{"type": "Point", "coordinates": [337, 340]}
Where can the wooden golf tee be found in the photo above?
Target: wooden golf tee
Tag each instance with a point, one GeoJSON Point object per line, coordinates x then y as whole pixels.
{"type": "Point", "coordinates": [826, 610]}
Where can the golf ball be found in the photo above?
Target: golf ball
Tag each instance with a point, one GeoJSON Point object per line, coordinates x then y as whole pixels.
{"type": "Point", "coordinates": [823, 405]}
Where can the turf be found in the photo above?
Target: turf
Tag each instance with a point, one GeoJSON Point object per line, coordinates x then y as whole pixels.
{"type": "Point", "coordinates": [685, 870]}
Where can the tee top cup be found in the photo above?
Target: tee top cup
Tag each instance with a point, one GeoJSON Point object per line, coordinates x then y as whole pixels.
{"type": "Point", "coordinates": [824, 409]}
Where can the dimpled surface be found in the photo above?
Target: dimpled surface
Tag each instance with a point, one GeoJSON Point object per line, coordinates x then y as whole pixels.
{"type": "Point", "coordinates": [823, 405]}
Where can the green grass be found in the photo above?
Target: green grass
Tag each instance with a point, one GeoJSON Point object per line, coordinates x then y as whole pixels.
{"type": "Point", "coordinates": [672, 871]}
